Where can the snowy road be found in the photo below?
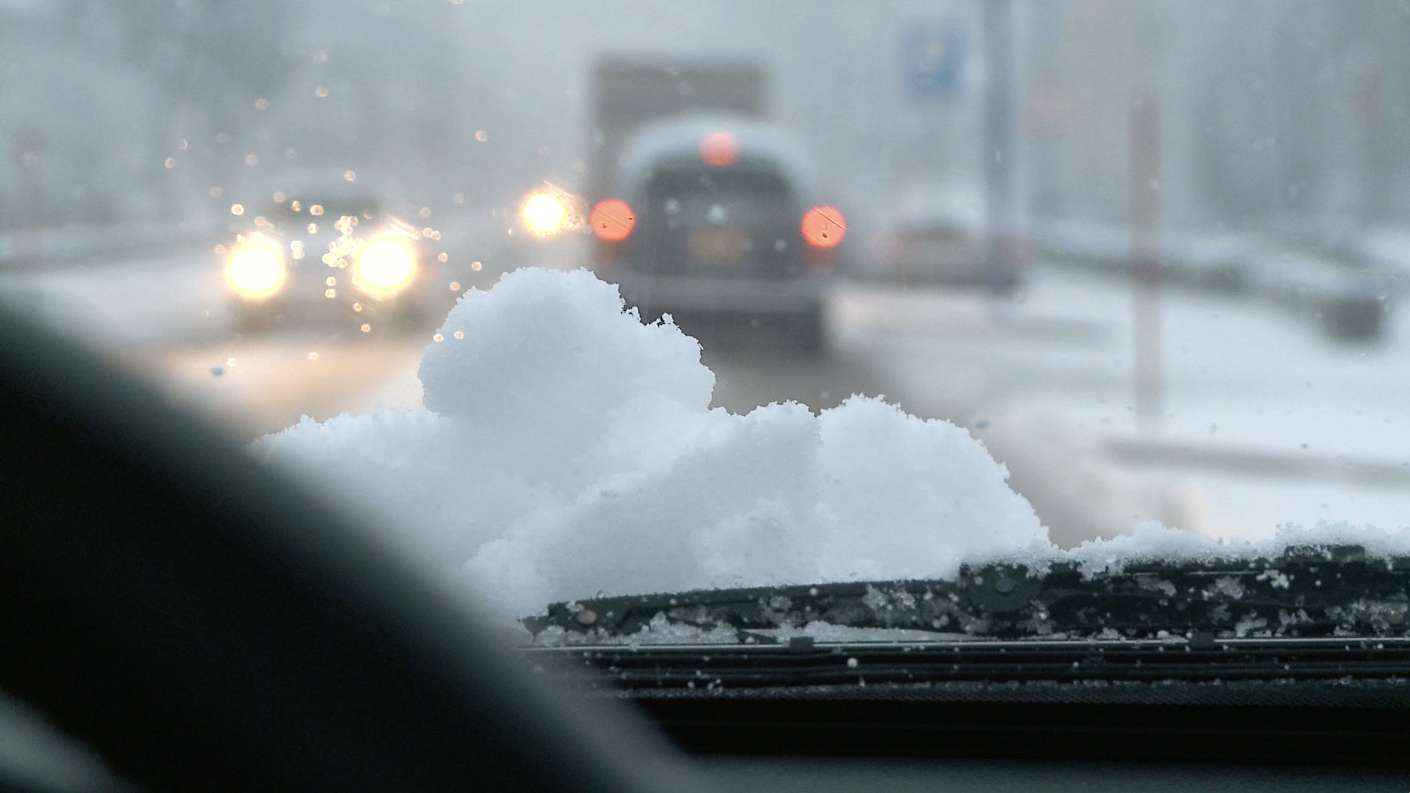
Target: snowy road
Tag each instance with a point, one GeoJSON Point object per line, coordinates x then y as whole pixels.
{"type": "Point", "coordinates": [1262, 419]}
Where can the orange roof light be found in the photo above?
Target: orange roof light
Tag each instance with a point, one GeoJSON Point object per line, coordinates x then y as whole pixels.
{"type": "Point", "coordinates": [824, 226]}
{"type": "Point", "coordinates": [719, 150]}
{"type": "Point", "coordinates": [612, 220]}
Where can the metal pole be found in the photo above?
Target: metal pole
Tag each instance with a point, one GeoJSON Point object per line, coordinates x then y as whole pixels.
{"type": "Point", "coordinates": [998, 137]}
{"type": "Point", "coordinates": [1145, 258]}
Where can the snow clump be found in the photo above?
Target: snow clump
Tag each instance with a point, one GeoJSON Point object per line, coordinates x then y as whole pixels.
{"type": "Point", "coordinates": [566, 449]}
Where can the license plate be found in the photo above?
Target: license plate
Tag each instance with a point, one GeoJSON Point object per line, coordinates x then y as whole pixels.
{"type": "Point", "coordinates": [718, 245]}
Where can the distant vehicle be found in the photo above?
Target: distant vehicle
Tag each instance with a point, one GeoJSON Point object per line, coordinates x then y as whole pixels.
{"type": "Point", "coordinates": [629, 92]}
{"type": "Point", "coordinates": [718, 216]}
{"type": "Point", "coordinates": [943, 239]}
{"type": "Point", "coordinates": [698, 206]}
{"type": "Point", "coordinates": [330, 253]}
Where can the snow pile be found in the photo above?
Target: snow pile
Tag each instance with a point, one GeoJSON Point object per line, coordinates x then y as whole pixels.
{"type": "Point", "coordinates": [567, 449]}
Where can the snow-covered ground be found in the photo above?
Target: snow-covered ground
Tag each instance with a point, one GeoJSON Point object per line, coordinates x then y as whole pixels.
{"type": "Point", "coordinates": [1262, 419]}
{"type": "Point", "coordinates": [174, 297]}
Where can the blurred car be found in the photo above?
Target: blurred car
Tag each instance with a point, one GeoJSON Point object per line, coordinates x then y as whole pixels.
{"type": "Point", "coordinates": [717, 217]}
{"type": "Point", "coordinates": [330, 253]}
{"type": "Point", "coordinates": [942, 239]}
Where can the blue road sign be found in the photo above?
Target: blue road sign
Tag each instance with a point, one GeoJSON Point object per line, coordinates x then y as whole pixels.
{"type": "Point", "coordinates": [933, 55]}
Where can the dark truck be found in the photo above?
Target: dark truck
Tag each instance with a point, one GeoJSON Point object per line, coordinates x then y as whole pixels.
{"type": "Point", "coordinates": [631, 92]}
{"type": "Point", "coordinates": [703, 209]}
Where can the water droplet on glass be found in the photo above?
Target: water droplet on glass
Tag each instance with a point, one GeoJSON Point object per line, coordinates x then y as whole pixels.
{"type": "Point", "coordinates": [321, 92]}
{"type": "Point", "coordinates": [313, 356]}
{"type": "Point", "coordinates": [443, 257]}
{"type": "Point", "coordinates": [357, 306]}
{"type": "Point", "coordinates": [459, 334]}
{"type": "Point", "coordinates": [482, 136]}
{"type": "Point", "coordinates": [366, 328]}
{"type": "Point", "coordinates": [455, 286]}
{"type": "Point", "coordinates": [476, 266]}
{"type": "Point", "coordinates": [438, 338]}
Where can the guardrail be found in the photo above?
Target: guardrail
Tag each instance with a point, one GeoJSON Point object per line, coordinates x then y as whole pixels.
{"type": "Point", "coordinates": [63, 245]}
{"type": "Point", "coordinates": [1350, 297]}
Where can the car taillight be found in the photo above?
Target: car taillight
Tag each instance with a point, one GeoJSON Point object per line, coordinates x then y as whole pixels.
{"type": "Point", "coordinates": [823, 226]}
{"type": "Point", "coordinates": [719, 150]}
{"type": "Point", "coordinates": [612, 220]}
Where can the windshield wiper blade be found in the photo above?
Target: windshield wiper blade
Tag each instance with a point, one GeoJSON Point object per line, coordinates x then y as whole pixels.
{"type": "Point", "coordinates": [801, 664]}
{"type": "Point", "coordinates": [1309, 591]}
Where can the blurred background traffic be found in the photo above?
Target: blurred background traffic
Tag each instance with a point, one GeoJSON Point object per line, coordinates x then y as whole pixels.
{"type": "Point", "coordinates": [1152, 254]}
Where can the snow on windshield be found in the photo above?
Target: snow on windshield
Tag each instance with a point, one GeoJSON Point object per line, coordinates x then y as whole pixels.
{"type": "Point", "coordinates": [567, 449]}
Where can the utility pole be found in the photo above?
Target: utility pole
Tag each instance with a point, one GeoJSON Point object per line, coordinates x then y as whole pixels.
{"type": "Point", "coordinates": [998, 135]}
{"type": "Point", "coordinates": [1145, 257]}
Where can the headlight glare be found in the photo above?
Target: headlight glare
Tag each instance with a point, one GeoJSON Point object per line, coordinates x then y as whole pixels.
{"type": "Point", "coordinates": [255, 268]}
{"type": "Point", "coordinates": [385, 266]}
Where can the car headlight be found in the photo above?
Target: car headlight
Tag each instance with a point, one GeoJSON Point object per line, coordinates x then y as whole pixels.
{"type": "Point", "coordinates": [385, 266]}
{"type": "Point", "coordinates": [255, 268]}
{"type": "Point", "coordinates": [544, 213]}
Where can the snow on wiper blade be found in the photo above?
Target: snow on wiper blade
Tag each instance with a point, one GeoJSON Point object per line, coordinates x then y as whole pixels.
{"type": "Point", "coordinates": [1309, 591]}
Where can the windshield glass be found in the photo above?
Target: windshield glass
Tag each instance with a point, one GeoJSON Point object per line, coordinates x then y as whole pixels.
{"type": "Point", "coordinates": [613, 299]}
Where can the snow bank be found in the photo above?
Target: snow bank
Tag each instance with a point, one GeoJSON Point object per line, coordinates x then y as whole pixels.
{"type": "Point", "coordinates": [567, 449]}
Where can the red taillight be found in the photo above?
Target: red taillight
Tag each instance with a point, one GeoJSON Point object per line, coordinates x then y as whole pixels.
{"type": "Point", "coordinates": [719, 150]}
{"type": "Point", "coordinates": [824, 226]}
{"type": "Point", "coordinates": [612, 220]}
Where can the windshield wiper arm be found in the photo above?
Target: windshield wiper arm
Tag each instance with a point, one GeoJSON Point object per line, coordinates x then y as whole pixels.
{"type": "Point", "coordinates": [1309, 591]}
